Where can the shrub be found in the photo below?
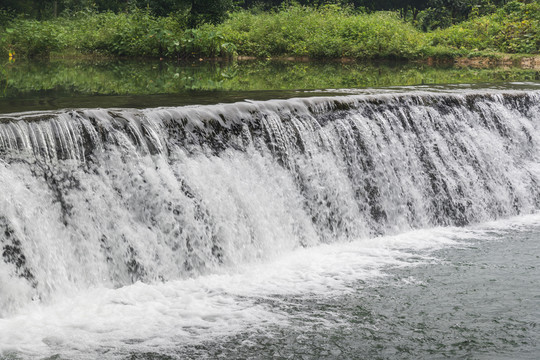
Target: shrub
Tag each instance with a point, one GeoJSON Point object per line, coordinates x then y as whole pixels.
{"type": "Point", "coordinates": [515, 28]}
{"type": "Point", "coordinates": [5, 17]}
{"type": "Point", "coordinates": [135, 34]}
{"type": "Point", "coordinates": [329, 31]}
{"type": "Point", "coordinates": [520, 28]}
{"type": "Point", "coordinates": [434, 18]}
{"type": "Point", "coordinates": [125, 34]}
{"type": "Point", "coordinates": [32, 38]}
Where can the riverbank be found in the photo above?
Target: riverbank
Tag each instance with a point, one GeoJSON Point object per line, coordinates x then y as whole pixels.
{"type": "Point", "coordinates": [298, 32]}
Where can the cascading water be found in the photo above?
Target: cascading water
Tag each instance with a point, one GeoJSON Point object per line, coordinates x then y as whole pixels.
{"type": "Point", "coordinates": [106, 198]}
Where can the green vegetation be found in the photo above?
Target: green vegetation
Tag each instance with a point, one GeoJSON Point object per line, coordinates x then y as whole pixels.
{"type": "Point", "coordinates": [513, 29]}
{"type": "Point", "coordinates": [205, 29]}
{"type": "Point", "coordinates": [325, 32]}
{"type": "Point", "coordinates": [125, 34]}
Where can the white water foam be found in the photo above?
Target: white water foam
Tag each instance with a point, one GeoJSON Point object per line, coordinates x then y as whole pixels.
{"type": "Point", "coordinates": [111, 323]}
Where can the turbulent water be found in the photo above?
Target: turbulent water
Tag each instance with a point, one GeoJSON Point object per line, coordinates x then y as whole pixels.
{"type": "Point", "coordinates": [118, 226]}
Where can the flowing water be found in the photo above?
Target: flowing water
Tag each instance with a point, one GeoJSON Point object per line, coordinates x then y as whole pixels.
{"type": "Point", "coordinates": [391, 225]}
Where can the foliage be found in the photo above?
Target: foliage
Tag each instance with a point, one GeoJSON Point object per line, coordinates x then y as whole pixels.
{"type": "Point", "coordinates": [520, 28]}
{"type": "Point", "coordinates": [5, 17]}
{"type": "Point", "coordinates": [434, 18]}
{"type": "Point", "coordinates": [205, 41]}
{"type": "Point", "coordinates": [208, 11]}
{"type": "Point", "coordinates": [32, 37]}
{"type": "Point", "coordinates": [325, 32]}
{"type": "Point", "coordinates": [515, 28]}
{"type": "Point", "coordinates": [138, 33]}
{"type": "Point", "coordinates": [476, 34]}
{"type": "Point", "coordinates": [443, 13]}
{"type": "Point", "coordinates": [198, 11]}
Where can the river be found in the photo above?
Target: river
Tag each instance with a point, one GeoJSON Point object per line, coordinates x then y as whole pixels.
{"type": "Point", "coordinates": [388, 223]}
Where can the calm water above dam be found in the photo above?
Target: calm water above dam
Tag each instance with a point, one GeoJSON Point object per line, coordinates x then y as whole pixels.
{"type": "Point", "coordinates": [27, 86]}
{"type": "Point", "coordinates": [173, 212]}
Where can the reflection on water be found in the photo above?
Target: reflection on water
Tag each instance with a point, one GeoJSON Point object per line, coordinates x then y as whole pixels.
{"type": "Point", "coordinates": [146, 83]}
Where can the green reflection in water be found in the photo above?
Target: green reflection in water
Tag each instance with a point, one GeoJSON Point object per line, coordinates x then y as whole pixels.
{"type": "Point", "coordinates": [92, 83]}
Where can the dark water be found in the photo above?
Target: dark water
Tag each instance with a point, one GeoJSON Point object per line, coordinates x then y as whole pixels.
{"type": "Point", "coordinates": [27, 86]}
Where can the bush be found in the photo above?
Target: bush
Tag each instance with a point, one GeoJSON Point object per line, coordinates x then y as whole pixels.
{"type": "Point", "coordinates": [329, 31]}
{"type": "Point", "coordinates": [515, 28]}
{"type": "Point", "coordinates": [476, 34]}
{"type": "Point", "coordinates": [135, 34]}
{"type": "Point", "coordinates": [125, 34]}
{"type": "Point", "coordinates": [520, 28]}
{"type": "Point", "coordinates": [32, 38]}
{"type": "Point", "coordinates": [434, 18]}
{"type": "Point", "coordinates": [5, 17]}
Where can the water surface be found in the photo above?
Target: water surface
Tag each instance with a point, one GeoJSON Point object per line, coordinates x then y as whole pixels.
{"type": "Point", "coordinates": [34, 85]}
{"type": "Point", "coordinates": [475, 298]}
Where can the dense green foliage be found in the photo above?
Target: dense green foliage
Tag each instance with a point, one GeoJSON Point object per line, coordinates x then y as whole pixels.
{"type": "Point", "coordinates": [137, 33]}
{"type": "Point", "coordinates": [328, 31]}
{"type": "Point", "coordinates": [428, 14]}
{"type": "Point", "coordinates": [195, 11]}
{"type": "Point", "coordinates": [515, 28]}
{"type": "Point", "coordinates": [324, 31]}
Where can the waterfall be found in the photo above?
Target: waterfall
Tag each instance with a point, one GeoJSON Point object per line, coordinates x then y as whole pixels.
{"type": "Point", "coordinates": [108, 197]}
